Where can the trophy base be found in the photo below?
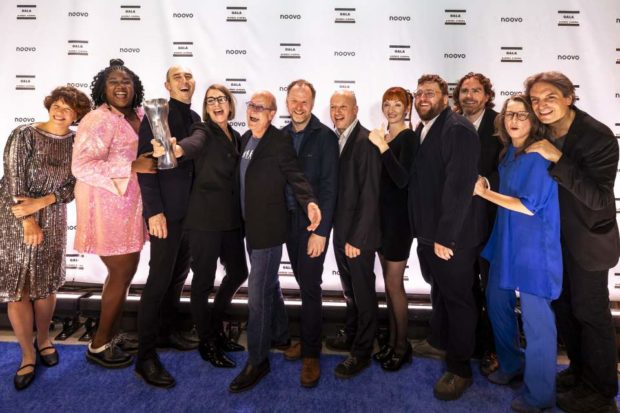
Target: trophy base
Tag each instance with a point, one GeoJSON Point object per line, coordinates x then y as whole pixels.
{"type": "Point", "coordinates": [166, 162]}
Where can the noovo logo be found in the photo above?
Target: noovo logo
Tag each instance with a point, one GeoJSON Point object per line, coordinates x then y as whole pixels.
{"type": "Point", "coordinates": [25, 49]}
{"type": "Point", "coordinates": [77, 84]}
{"type": "Point", "coordinates": [568, 57]}
{"type": "Point", "coordinates": [454, 56]}
{"type": "Point", "coordinates": [399, 18]}
{"type": "Point", "coordinates": [21, 120]}
{"type": "Point", "coordinates": [290, 17]}
{"type": "Point", "coordinates": [237, 124]}
{"type": "Point", "coordinates": [78, 14]}
{"type": "Point", "coordinates": [235, 51]}
{"type": "Point", "coordinates": [129, 50]}
{"type": "Point", "coordinates": [183, 15]}
{"type": "Point", "coordinates": [509, 92]}
{"type": "Point", "coordinates": [343, 53]}
{"type": "Point", "coordinates": [511, 20]}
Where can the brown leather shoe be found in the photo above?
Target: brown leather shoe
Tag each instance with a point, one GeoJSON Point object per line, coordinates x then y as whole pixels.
{"type": "Point", "coordinates": [293, 352]}
{"type": "Point", "coordinates": [310, 372]}
{"type": "Point", "coordinates": [451, 386]}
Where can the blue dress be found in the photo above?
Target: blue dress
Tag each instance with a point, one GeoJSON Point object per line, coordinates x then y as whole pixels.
{"type": "Point", "coordinates": [524, 251]}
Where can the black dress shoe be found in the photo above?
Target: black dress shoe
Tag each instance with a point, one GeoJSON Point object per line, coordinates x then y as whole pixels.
{"type": "Point", "coordinates": [226, 344]}
{"type": "Point", "coordinates": [111, 358]}
{"type": "Point", "coordinates": [351, 366]}
{"type": "Point", "coordinates": [21, 381]}
{"type": "Point", "coordinates": [48, 360]}
{"type": "Point", "coordinates": [249, 377]}
{"type": "Point", "coordinates": [396, 361]}
{"type": "Point", "coordinates": [383, 354]}
{"type": "Point", "coordinates": [210, 352]}
{"type": "Point", "coordinates": [339, 342]}
{"type": "Point", "coordinates": [177, 342]}
{"type": "Point", "coordinates": [126, 343]}
{"type": "Point", "coordinates": [153, 372]}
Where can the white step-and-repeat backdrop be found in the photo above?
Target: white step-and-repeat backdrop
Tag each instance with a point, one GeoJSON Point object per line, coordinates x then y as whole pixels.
{"type": "Point", "coordinates": [364, 46]}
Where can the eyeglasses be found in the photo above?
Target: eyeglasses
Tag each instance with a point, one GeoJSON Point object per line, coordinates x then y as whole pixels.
{"type": "Point", "coordinates": [220, 99]}
{"type": "Point", "coordinates": [428, 94]}
{"type": "Point", "coordinates": [521, 116]}
{"type": "Point", "coordinates": [257, 108]}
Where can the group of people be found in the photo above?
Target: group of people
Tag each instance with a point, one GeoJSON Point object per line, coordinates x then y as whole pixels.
{"type": "Point", "coordinates": [516, 201]}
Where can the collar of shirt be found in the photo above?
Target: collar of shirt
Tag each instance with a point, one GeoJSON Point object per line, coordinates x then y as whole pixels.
{"type": "Point", "coordinates": [344, 136]}
{"type": "Point", "coordinates": [427, 127]}
{"type": "Point", "coordinates": [478, 121]}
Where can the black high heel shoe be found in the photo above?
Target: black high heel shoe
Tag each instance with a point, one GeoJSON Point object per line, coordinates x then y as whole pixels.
{"type": "Point", "coordinates": [383, 354]}
{"type": "Point", "coordinates": [396, 361]}
{"type": "Point", "coordinates": [22, 381]}
{"type": "Point", "coordinates": [210, 352]}
{"type": "Point", "coordinates": [48, 360]}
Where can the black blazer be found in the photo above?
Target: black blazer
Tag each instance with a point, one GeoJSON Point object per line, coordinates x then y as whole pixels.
{"type": "Point", "coordinates": [586, 173]}
{"type": "Point", "coordinates": [441, 184]}
{"type": "Point", "coordinates": [490, 147]}
{"type": "Point", "coordinates": [214, 203]}
{"type": "Point", "coordinates": [272, 166]}
{"type": "Point", "coordinates": [357, 219]}
{"type": "Point", "coordinates": [318, 158]}
{"type": "Point", "coordinates": [167, 191]}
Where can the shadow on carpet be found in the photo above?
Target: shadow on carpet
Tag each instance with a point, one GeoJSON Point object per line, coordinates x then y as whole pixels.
{"type": "Point", "coordinates": [77, 386]}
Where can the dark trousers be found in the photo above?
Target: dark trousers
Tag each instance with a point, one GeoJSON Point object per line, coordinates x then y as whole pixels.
{"type": "Point", "coordinates": [484, 332]}
{"type": "Point", "coordinates": [453, 321]}
{"type": "Point", "coordinates": [206, 248]}
{"type": "Point", "coordinates": [168, 269]}
{"type": "Point", "coordinates": [586, 327]}
{"type": "Point", "coordinates": [358, 284]}
{"type": "Point", "coordinates": [308, 272]}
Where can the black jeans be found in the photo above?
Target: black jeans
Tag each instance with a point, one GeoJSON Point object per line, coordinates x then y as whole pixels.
{"type": "Point", "coordinates": [206, 248]}
{"type": "Point", "coordinates": [168, 269]}
{"type": "Point", "coordinates": [454, 316]}
{"type": "Point", "coordinates": [358, 284]}
{"type": "Point", "coordinates": [308, 273]}
{"type": "Point", "coordinates": [586, 327]}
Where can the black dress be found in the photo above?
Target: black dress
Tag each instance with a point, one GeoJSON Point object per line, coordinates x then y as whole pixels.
{"type": "Point", "coordinates": [395, 228]}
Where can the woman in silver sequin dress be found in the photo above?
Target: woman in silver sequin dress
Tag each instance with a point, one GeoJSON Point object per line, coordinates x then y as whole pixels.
{"type": "Point", "coordinates": [34, 190]}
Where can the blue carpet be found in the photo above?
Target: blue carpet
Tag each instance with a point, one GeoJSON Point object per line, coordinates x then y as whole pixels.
{"type": "Point", "coordinates": [77, 386]}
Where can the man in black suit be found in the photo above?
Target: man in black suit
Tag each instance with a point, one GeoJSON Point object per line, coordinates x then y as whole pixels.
{"type": "Point", "coordinates": [268, 163]}
{"type": "Point", "coordinates": [445, 222]}
{"type": "Point", "coordinates": [357, 232]}
{"type": "Point", "coordinates": [473, 98]}
{"type": "Point", "coordinates": [584, 156]}
{"type": "Point", "coordinates": [317, 150]}
{"type": "Point", "coordinates": [165, 197]}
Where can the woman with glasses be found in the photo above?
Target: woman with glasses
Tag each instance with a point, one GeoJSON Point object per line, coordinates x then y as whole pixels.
{"type": "Point", "coordinates": [34, 192]}
{"type": "Point", "coordinates": [525, 255]}
{"type": "Point", "coordinates": [213, 220]}
{"type": "Point", "coordinates": [397, 154]}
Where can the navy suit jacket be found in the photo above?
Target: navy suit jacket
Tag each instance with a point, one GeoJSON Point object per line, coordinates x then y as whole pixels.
{"type": "Point", "coordinates": [318, 158]}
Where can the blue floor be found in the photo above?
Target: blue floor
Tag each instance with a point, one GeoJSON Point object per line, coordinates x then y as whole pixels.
{"type": "Point", "coordinates": [77, 386]}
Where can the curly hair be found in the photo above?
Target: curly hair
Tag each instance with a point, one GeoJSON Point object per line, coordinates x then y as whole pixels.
{"type": "Point", "coordinates": [97, 86]}
{"type": "Point", "coordinates": [77, 100]}
{"type": "Point", "coordinates": [484, 81]}
{"type": "Point", "coordinates": [443, 86]}
{"type": "Point", "coordinates": [401, 94]}
{"type": "Point", "coordinates": [538, 130]}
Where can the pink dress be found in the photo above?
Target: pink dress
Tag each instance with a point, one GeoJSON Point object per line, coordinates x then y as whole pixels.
{"type": "Point", "coordinates": [107, 195]}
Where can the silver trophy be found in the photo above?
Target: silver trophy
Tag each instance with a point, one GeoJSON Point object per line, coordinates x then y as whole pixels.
{"type": "Point", "coordinates": [156, 111]}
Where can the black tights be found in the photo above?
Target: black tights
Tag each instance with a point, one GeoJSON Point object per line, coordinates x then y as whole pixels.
{"type": "Point", "coordinates": [393, 273]}
{"type": "Point", "coordinates": [121, 269]}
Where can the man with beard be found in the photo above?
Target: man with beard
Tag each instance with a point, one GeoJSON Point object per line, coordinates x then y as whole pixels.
{"type": "Point", "coordinates": [584, 156]}
{"type": "Point", "coordinates": [317, 150]}
{"type": "Point", "coordinates": [442, 179]}
{"type": "Point", "coordinates": [165, 197]}
{"type": "Point", "coordinates": [473, 98]}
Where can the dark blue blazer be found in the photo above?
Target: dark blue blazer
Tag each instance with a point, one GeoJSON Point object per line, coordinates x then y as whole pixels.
{"type": "Point", "coordinates": [167, 191]}
{"type": "Point", "coordinates": [318, 158]}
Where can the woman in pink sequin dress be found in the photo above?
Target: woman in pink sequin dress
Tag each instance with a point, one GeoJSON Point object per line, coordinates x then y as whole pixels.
{"type": "Point", "coordinates": [109, 206]}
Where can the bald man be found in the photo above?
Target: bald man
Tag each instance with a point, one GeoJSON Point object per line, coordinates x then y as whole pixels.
{"type": "Point", "coordinates": [357, 233]}
{"type": "Point", "coordinates": [165, 197]}
{"type": "Point", "coordinates": [268, 163]}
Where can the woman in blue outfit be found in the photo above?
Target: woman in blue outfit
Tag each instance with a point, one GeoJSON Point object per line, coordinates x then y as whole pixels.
{"type": "Point", "coordinates": [525, 256]}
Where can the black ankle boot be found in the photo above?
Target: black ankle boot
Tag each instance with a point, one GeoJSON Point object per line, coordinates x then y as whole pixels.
{"type": "Point", "coordinates": [210, 352]}
{"type": "Point", "coordinates": [396, 361]}
{"type": "Point", "coordinates": [383, 354]}
{"type": "Point", "coordinates": [226, 344]}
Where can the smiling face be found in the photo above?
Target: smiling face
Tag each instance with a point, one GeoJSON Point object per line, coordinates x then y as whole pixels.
{"type": "Point", "coordinates": [394, 111]}
{"type": "Point", "coordinates": [261, 111]}
{"type": "Point", "coordinates": [518, 130]}
{"type": "Point", "coordinates": [61, 115]}
{"type": "Point", "coordinates": [548, 103]}
{"type": "Point", "coordinates": [299, 103]}
{"type": "Point", "coordinates": [119, 90]}
{"type": "Point", "coordinates": [180, 83]}
{"type": "Point", "coordinates": [429, 101]}
{"type": "Point", "coordinates": [472, 97]}
{"type": "Point", "coordinates": [343, 110]}
{"type": "Point", "coordinates": [218, 106]}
